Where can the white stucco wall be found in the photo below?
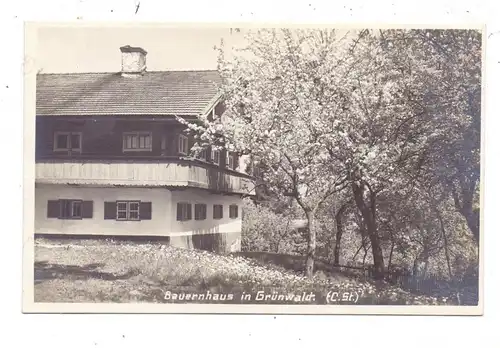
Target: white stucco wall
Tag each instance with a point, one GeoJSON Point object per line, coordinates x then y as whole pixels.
{"type": "Point", "coordinates": [164, 209]}
{"type": "Point", "coordinates": [157, 226]}
{"type": "Point", "coordinates": [224, 225]}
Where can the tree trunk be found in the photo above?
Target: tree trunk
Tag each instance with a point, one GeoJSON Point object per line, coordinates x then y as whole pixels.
{"type": "Point", "coordinates": [364, 255]}
{"type": "Point", "coordinates": [426, 267]}
{"type": "Point", "coordinates": [361, 226]}
{"type": "Point", "coordinates": [464, 205]}
{"type": "Point", "coordinates": [389, 263]}
{"type": "Point", "coordinates": [472, 218]}
{"type": "Point", "coordinates": [415, 267]}
{"type": "Point", "coordinates": [338, 236]}
{"type": "Point", "coordinates": [369, 220]}
{"type": "Point", "coordinates": [311, 244]}
{"type": "Point", "coordinates": [378, 256]}
{"type": "Point", "coordinates": [391, 253]}
{"type": "Point", "coordinates": [445, 239]}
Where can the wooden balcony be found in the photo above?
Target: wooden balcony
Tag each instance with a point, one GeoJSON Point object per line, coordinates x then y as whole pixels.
{"type": "Point", "coordinates": [143, 175]}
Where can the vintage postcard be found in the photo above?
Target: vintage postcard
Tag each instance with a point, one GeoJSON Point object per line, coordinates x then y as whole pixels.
{"type": "Point", "coordinates": [225, 169]}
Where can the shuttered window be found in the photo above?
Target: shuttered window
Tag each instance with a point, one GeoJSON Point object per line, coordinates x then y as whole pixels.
{"type": "Point", "coordinates": [183, 211]}
{"type": "Point", "coordinates": [200, 211]}
{"type": "Point", "coordinates": [229, 160]}
{"type": "Point", "coordinates": [203, 155]}
{"type": "Point", "coordinates": [216, 156]}
{"type": "Point", "coordinates": [72, 209]}
{"type": "Point", "coordinates": [127, 210]}
{"type": "Point", "coordinates": [218, 211]}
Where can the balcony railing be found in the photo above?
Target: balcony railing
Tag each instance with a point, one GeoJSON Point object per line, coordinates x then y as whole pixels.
{"type": "Point", "coordinates": [142, 174]}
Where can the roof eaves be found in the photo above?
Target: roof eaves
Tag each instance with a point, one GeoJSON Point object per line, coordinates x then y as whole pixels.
{"type": "Point", "coordinates": [111, 114]}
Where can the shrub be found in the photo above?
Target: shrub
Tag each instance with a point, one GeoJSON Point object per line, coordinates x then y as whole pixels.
{"type": "Point", "coordinates": [265, 230]}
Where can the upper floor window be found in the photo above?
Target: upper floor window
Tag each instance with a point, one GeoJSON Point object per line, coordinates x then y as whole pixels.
{"type": "Point", "coordinates": [137, 141]}
{"type": "Point", "coordinates": [203, 155]}
{"type": "Point", "coordinates": [249, 169]}
{"type": "Point", "coordinates": [183, 144]}
{"type": "Point", "coordinates": [216, 156]}
{"type": "Point", "coordinates": [229, 160]}
{"type": "Point", "coordinates": [68, 141]}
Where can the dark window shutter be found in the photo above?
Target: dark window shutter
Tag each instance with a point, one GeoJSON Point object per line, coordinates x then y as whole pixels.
{"type": "Point", "coordinates": [234, 161]}
{"type": "Point", "coordinates": [179, 211]}
{"type": "Point", "coordinates": [53, 209]}
{"type": "Point", "coordinates": [109, 210]}
{"type": "Point", "coordinates": [145, 211]}
{"type": "Point", "coordinates": [233, 211]}
{"type": "Point", "coordinates": [189, 208]}
{"type": "Point", "coordinates": [87, 209]}
{"type": "Point", "coordinates": [218, 211]}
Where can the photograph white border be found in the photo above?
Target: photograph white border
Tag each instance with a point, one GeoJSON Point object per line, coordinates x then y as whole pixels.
{"type": "Point", "coordinates": [49, 330]}
{"type": "Point", "coordinates": [29, 306]}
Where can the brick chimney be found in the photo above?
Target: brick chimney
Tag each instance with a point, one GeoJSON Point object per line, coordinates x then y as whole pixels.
{"type": "Point", "coordinates": [133, 61]}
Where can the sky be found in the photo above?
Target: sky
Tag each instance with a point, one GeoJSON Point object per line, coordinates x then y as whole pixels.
{"type": "Point", "coordinates": [92, 49]}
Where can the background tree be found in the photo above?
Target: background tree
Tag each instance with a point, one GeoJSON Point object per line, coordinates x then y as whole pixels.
{"type": "Point", "coordinates": [450, 63]}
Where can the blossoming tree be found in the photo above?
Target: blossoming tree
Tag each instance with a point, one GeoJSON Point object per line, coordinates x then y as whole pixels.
{"type": "Point", "coordinates": [361, 112]}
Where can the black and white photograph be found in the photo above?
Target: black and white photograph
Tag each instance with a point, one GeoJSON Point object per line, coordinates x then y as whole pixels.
{"type": "Point", "coordinates": [224, 169]}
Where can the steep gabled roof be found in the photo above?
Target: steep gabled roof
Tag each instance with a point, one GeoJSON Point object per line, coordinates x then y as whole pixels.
{"type": "Point", "coordinates": [182, 93]}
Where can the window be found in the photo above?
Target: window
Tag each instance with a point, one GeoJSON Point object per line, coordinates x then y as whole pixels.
{"type": "Point", "coordinates": [183, 144]}
{"type": "Point", "coordinates": [183, 211]}
{"type": "Point", "coordinates": [69, 209]}
{"type": "Point", "coordinates": [218, 211]}
{"type": "Point", "coordinates": [233, 211]}
{"type": "Point", "coordinates": [164, 143]}
{"type": "Point", "coordinates": [137, 141]}
{"type": "Point", "coordinates": [229, 160]}
{"type": "Point", "coordinates": [216, 156]}
{"type": "Point", "coordinates": [68, 141]}
{"type": "Point", "coordinates": [127, 210]}
{"type": "Point", "coordinates": [200, 211]}
{"type": "Point", "coordinates": [203, 155]}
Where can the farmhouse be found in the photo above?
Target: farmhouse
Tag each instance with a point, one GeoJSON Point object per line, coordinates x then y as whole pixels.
{"type": "Point", "coordinates": [112, 159]}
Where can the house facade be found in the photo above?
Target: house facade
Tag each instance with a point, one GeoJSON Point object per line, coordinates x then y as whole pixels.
{"type": "Point", "coordinates": [112, 159]}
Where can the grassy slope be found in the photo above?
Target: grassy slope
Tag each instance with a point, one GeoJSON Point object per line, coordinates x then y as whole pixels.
{"type": "Point", "coordinates": [99, 271]}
